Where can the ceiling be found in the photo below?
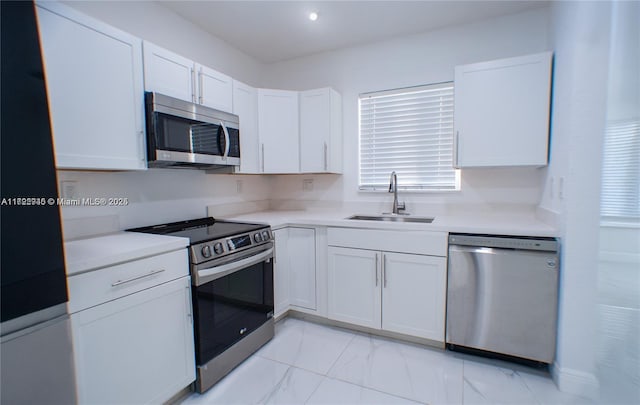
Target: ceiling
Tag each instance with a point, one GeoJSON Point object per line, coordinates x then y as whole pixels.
{"type": "Point", "coordinates": [273, 31]}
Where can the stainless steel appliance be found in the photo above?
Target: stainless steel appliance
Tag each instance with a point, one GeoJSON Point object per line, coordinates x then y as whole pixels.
{"type": "Point", "coordinates": [36, 350]}
{"type": "Point", "coordinates": [184, 134]}
{"type": "Point", "coordinates": [232, 290]}
{"type": "Point", "coordinates": [502, 295]}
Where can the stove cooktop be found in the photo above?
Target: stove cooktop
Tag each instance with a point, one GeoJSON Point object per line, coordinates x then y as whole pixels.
{"type": "Point", "coordinates": [201, 230]}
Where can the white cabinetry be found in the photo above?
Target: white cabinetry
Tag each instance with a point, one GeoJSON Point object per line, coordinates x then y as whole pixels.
{"type": "Point", "coordinates": [302, 267]}
{"type": "Point", "coordinates": [174, 75]}
{"type": "Point", "coordinates": [502, 112]}
{"type": "Point", "coordinates": [320, 131]}
{"type": "Point", "coordinates": [296, 283]}
{"type": "Point", "coordinates": [245, 106]}
{"type": "Point", "coordinates": [354, 286]}
{"type": "Point", "coordinates": [133, 330]}
{"type": "Point", "coordinates": [94, 85]}
{"type": "Point", "coordinates": [379, 289]}
{"type": "Point", "coordinates": [278, 131]}
{"type": "Point", "coordinates": [281, 272]}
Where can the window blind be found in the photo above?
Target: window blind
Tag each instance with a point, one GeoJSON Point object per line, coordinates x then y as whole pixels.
{"type": "Point", "coordinates": [409, 131]}
{"type": "Point", "coordinates": [620, 197]}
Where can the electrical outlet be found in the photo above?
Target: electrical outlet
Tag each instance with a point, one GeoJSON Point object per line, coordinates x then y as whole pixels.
{"type": "Point", "coordinates": [69, 189]}
{"type": "Point", "coordinates": [307, 185]}
{"type": "Point", "coordinates": [238, 186]}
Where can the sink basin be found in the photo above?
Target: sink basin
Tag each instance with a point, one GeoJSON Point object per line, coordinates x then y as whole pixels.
{"type": "Point", "coordinates": [392, 218]}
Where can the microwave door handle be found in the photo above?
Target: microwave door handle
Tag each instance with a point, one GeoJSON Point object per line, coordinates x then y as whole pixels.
{"type": "Point", "coordinates": [226, 139]}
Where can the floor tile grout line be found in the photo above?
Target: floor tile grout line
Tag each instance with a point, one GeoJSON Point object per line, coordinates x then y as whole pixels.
{"type": "Point", "coordinates": [340, 355]}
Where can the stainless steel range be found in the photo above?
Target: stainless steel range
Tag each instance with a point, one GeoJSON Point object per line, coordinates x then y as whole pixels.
{"type": "Point", "coordinates": [232, 278]}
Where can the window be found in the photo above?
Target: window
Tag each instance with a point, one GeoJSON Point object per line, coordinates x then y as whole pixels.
{"type": "Point", "coordinates": [409, 131]}
{"type": "Point", "coordinates": [621, 171]}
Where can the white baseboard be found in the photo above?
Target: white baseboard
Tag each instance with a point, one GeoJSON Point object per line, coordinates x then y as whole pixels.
{"type": "Point", "coordinates": [575, 382]}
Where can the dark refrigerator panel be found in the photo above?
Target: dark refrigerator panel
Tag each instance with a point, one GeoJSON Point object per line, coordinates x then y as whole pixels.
{"type": "Point", "coordinates": [32, 261]}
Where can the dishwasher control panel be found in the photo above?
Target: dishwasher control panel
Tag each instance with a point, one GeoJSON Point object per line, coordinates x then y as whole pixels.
{"type": "Point", "coordinates": [505, 242]}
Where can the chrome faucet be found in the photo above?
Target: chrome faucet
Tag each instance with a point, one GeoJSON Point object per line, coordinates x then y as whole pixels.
{"type": "Point", "coordinates": [393, 188]}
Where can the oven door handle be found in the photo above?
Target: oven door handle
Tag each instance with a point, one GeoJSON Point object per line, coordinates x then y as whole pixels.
{"type": "Point", "coordinates": [214, 273]}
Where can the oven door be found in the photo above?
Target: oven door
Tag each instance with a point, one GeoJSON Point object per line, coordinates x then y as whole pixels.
{"type": "Point", "coordinates": [230, 301]}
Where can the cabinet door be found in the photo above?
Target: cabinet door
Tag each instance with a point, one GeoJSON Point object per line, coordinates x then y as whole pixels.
{"type": "Point", "coordinates": [413, 295]}
{"type": "Point", "coordinates": [302, 267]}
{"type": "Point", "coordinates": [245, 106]}
{"type": "Point", "coordinates": [215, 89]}
{"type": "Point", "coordinates": [502, 112]}
{"type": "Point", "coordinates": [94, 86]}
{"type": "Point", "coordinates": [278, 131]}
{"type": "Point", "coordinates": [168, 73]}
{"type": "Point", "coordinates": [320, 131]}
{"type": "Point", "coordinates": [137, 349]}
{"type": "Point", "coordinates": [354, 286]}
{"type": "Point", "coordinates": [281, 272]}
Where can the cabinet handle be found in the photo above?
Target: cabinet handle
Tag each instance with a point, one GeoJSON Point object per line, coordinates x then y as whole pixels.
{"type": "Point", "coordinates": [263, 158]}
{"type": "Point", "coordinates": [376, 269]}
{"type": "Point", "coordinates": [152, 273]}
{"type": "Point", "coordinates": [188, 299]}
{"type": "Point", "coordinates": [200, 86]}
{"type": "Point", "coordinates": [325, 157]}
{"type": "Point", "coordinates": [384, 270]}
{"type": "Point", "coordinates": [193, 85]}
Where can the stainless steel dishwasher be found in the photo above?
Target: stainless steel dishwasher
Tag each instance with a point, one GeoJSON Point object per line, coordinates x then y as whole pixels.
{"type": "Point", "coordinates": [502, 295]}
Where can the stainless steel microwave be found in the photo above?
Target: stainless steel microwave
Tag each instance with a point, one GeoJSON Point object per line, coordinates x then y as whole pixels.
{"type": "Point", "coordinates": [184, 134]}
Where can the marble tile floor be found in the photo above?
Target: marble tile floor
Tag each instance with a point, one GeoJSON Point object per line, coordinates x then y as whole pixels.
{"type": "Point", "coordinates": [307, 363]}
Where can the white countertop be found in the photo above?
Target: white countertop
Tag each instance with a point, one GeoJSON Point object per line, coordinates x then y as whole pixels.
{"type": "Point", "coordinates": [517, 224]}
{"type": "Point", "coordinates": [102, 251]}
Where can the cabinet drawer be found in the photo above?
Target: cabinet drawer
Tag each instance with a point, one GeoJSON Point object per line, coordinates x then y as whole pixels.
{"type": "Point", "coordinates": [417, 242]}
{"type": "Point", "coordinates": [99, 286]}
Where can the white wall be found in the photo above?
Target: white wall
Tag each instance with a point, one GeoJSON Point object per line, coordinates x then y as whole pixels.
{"type": "Point", "coordinates": [409, 61]}
{"type": "Point", "coordinates": [581, 42]}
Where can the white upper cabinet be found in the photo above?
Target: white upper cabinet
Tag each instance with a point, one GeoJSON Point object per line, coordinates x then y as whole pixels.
{"type": "Point", "coordinates": [502, 112]}
{"type": "Point", "coordinates": [278, 131]}
{"type": "Point", "coordinates": [168, 73]}
{"type": "Point", "coordinates": [94, 86]}
{"type": "Point", "coordinates": [245, 106]}
{"type": "Point", "coordinates": [174, 75]}
{"type": "Point", "coordinates": [215, 89]}
{"type": "Point", "coordinates": [320, 131]}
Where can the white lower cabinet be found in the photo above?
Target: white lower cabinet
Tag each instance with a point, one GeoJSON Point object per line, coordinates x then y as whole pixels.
{"type": "Point", "coordinates": [137, 349]}
{"type": "Point", "coordinates": [353, 286]}
{"type": "Point", "coordinates": [132, 327]}
{"type": "Point", "coordinates": [302, 267]}
{"type": "Point", "coordinates": [413, 294]}
{"type": "Point", "coordinates": [396, 292]}
{"type": "Point", "coordinates": [281, 272]}
{"type": "Point", "coordinates": [295, 275]}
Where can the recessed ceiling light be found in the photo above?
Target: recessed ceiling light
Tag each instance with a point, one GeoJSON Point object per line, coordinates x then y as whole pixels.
{"type": "Point", "coordinates": [313, 15]}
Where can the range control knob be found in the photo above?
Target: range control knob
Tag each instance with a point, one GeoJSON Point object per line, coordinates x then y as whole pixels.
{"type": "Point", "coordinates": [206, 251]}
{"type": "Point", "coordinates": [265, 235]}
{"type": "Point", "coordinates": [218, 248]}
{"type": "Point", "coordinates": [257, 238]}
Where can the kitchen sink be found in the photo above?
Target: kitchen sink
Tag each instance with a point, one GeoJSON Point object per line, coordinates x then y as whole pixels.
{"type": "Point", "coordinates": [392, 218]}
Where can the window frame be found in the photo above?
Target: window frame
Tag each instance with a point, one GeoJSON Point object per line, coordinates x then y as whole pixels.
{"type": "Point", "coordinates": [422, 189]}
